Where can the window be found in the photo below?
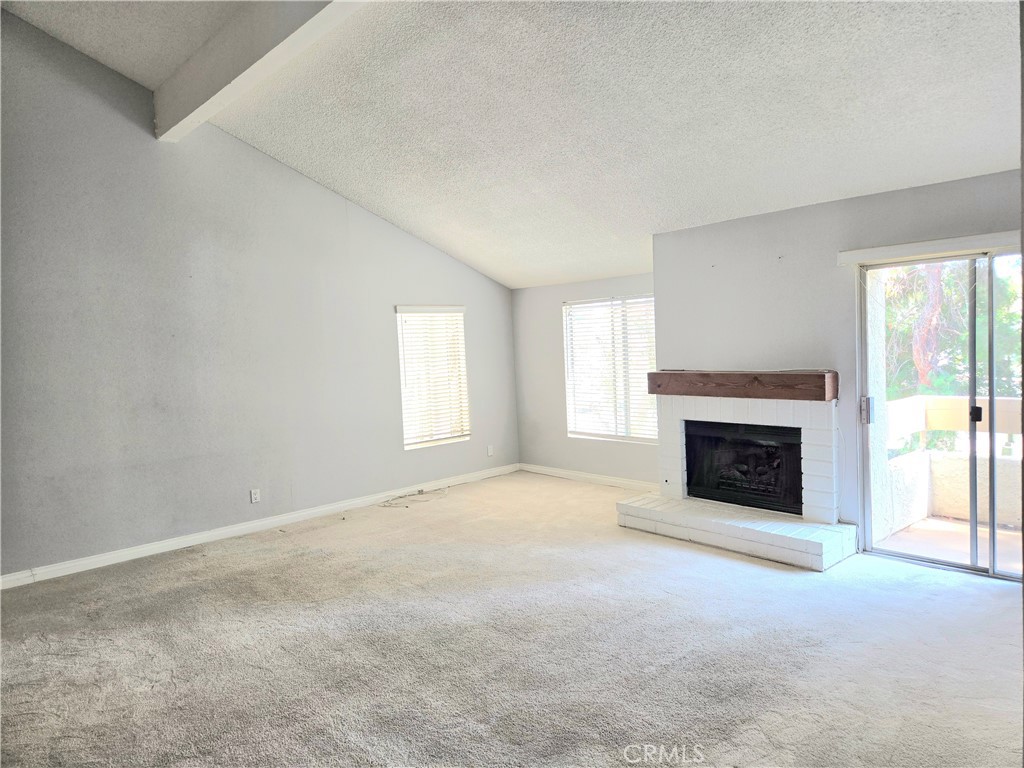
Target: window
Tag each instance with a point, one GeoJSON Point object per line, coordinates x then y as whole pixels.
{"type": "Point", "coordinates": [609, 348]}
{"type": "Point", "coordinates": [432, 358]}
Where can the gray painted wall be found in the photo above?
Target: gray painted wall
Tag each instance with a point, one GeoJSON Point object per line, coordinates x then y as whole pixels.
{"type": "Point", "coordinates": [182, 323]}
{"type": "Point", "coordinates": [765, 292]}
{"type": "Point", "coordinates": [540, 383]}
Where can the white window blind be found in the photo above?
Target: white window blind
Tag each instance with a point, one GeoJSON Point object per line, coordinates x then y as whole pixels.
{"type": "Point", "coordinates": [435, 391]}
{"type": "Point", "coordinates": [609, 349]}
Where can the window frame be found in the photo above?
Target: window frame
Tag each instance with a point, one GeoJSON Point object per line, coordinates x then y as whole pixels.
{"type": "Point", "coordinates": [569, 374]}
{"type": "Point", "coordinates": [401, 311]}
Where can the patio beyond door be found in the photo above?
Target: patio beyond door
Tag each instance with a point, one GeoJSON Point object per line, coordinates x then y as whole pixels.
{"type": "Point", "coordinates": [943, 380]}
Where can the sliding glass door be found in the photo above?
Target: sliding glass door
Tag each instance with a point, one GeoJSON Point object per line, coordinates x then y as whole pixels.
{"type": "Point", "coordinates": [942, 365]}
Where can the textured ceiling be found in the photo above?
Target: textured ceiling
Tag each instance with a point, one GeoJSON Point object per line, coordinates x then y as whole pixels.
{"type": "Point", "coordinates": [144, 41]}
{"type": "Point", "coordinates": [546, 142]}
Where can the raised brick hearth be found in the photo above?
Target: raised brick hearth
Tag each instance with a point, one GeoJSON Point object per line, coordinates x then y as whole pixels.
{"type": "Point", "coordinates": [813, 540]}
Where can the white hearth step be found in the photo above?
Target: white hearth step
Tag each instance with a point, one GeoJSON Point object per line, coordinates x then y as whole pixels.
{"type": "Point", "coordinates": [756, 532]}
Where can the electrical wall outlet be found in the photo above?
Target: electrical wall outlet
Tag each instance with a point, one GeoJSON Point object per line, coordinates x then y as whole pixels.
{"type": "Point", "coordinates": [490, 450]}
{"type": "Point", "coordinates": [254, 496]}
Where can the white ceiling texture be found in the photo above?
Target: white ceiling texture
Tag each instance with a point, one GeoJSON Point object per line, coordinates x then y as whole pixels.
{"type": "Point", "coordinates": [145, 41]}
{"type": "Point", "coordinates": [546, 142]}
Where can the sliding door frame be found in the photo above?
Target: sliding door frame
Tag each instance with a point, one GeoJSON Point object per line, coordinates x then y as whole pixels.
{"type": "Point", "coordinates": [863, 454]}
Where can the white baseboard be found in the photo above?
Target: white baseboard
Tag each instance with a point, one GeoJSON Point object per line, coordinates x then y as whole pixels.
{"type": "Point", "coordinates": [239, 529]}
{"type": "Point", "coordinates": [44, 572]}
{"type": "Point", "coordinates": [587, 477]}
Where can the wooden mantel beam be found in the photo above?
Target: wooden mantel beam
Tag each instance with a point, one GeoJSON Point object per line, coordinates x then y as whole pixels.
{"type": "Point", "coordinates": [759, 385]}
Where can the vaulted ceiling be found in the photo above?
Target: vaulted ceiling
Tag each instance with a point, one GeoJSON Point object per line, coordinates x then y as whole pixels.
{"type": "Point", "coordinates": [546, 142]}
{"type": "Point", "coordinates": [145, 41]}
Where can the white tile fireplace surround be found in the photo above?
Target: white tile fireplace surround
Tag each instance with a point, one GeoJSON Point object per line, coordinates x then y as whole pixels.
{"type": "Point", "coordinates": [813, 540]}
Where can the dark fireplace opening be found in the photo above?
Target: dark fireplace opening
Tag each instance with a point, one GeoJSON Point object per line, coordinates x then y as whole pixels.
{"type": "Point", "coordinates": [748, 464]}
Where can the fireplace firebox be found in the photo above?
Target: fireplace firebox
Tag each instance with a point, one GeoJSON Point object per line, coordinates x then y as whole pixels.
{"type": "Point", "coordinates": [747, 464]}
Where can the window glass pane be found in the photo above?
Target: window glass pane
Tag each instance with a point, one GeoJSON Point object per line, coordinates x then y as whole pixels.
{"type": "Point", "coordinates": [609, 350]}
{"type": "Point", "coordinates": [435, 390]}
{"type": "Point", "coordinates": [1008, 288]}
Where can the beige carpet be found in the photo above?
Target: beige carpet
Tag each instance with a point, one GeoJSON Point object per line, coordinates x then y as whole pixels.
{"type": "Point", "coordinates": [509, 623]}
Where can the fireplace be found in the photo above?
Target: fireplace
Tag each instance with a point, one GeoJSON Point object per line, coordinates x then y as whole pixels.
{"type": "Point", "coordinates": [750, 439]}
{"type": "Point", "coordinates": [746, 464]}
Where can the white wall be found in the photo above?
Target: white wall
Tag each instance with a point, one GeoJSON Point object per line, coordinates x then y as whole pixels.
{"type": "Point", "coordinates": [182, 323]}
{"type": "Point", "coordinates": [540, 384]}
{"type": "Point", "coordinates": [764, 292]}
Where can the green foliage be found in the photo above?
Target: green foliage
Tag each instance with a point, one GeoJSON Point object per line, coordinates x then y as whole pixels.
{"type": "Point", "coordinates": [927, 340]}
{"type": "Point", "coordinates": [932, 440]}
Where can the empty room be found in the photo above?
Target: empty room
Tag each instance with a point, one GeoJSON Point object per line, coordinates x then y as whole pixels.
{"type": "Point", "coordinates": [468, 384]}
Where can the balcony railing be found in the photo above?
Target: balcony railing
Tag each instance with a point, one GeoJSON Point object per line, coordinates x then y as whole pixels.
{"type": "Point", "coordinates": [925, 413]}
